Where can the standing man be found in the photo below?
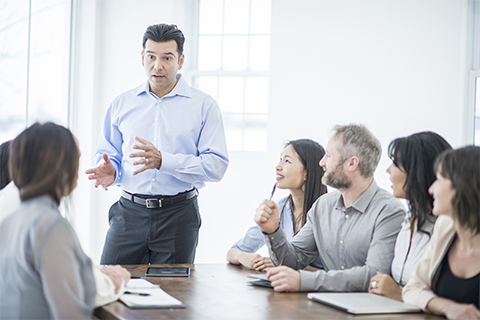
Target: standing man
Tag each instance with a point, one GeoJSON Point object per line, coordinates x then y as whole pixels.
{"type": "Point", "coordinates": [160, 142]}
{"type": "Point", "coordinates": [353, 230]}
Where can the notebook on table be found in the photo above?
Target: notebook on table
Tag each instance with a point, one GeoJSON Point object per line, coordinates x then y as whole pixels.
{"type": "Point", "coordinates": [362, 303]}
{"type": "Point", "coordinates": [141, 293]}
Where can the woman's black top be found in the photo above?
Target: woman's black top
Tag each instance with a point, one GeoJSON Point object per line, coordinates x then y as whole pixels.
{"type": "Point", "coordinates": [457, 289]}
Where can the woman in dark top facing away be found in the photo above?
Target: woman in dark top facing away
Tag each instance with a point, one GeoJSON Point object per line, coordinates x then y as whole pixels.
{"type": "Point", "coordinates": [446, 278]}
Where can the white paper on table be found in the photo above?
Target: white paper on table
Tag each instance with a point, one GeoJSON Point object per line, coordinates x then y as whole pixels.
{"type": "Point", "coordinates": [157, 299]}
{"type": "Point", "coordinates": [140, 284]}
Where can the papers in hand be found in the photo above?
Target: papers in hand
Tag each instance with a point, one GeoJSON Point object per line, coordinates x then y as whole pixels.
{"type": "Point", "coordinates": [156, 298]}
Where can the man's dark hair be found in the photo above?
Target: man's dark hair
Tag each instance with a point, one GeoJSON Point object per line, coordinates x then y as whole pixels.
{"type": "Point", "coordinates": [415, 155]}
{"type": "Point", "coordinates": [163, 33]}
{"type": "Point", "coordinates": [4, 176]}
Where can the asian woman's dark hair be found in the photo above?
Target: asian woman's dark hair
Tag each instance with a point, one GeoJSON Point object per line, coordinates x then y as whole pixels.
{"type": "Point", "coordinates": [44, 160]}
{"type": "Point", "coordinates": [4, 176]}
{"type": "Point", "coordinates": [415, 155]}
{"type": "Point", "coordinates": [310, 154]}
{"type": "Point", "coordinates": [462, 168]}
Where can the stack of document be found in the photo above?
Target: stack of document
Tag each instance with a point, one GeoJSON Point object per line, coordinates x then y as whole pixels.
{"type": "Point", "coordinates": [140, 293]}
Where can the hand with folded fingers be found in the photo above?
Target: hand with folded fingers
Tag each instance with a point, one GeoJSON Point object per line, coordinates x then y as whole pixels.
{"type": "Point", "coordinates": [262, 263]}
{"type": "Point", "coordinates": [384, 285]}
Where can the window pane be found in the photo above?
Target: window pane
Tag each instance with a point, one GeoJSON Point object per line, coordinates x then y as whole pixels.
{"type": "Point", "coordinates": [211, 15]}
{"type": "Point", "coordinates": [13, 66]}
{"type": "Point", "coordinates": [209, 53]}
{"type": "Point", "coordinates": [236, 16]}
{"type": "Point", "coordinates": [209, 85]}
{"type": "Point", "coordinates": [231, 93]}
{"type": "Point", "coordinates": [256, 95]}
{"type": "Point", "coordinates": [477, 97]}
{"type": "Point", "coordinates": [49, 62]}
{"type": "Point", "coordinates": [235, 51]}
{"type": "Point", "coordinates": [233, 131]}
{"type": "Point", "coordinates": [260, 17]}
{"type": "Point", "coordinates": [477, 112]}
{"type": "Point", "coordinates": [259, 57]}
{"type": "Point", "coordinates": [477, 131]}
{"type": "Point", "coordinates": [255, 137]}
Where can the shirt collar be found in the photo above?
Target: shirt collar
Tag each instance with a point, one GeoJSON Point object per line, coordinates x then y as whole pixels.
{"type": "Point", "coordinates": [363, 201]}
{"type": "Point", "coordinates": [180, 89]}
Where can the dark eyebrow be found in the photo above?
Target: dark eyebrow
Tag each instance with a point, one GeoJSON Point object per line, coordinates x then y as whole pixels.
{"type": "Point", "coordinates": [165, 53]}
{"type": "Point", "coordinates": [169, 54]}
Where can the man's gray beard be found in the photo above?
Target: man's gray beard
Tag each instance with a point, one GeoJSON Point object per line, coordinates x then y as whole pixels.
{"type": "Point", "coordinates": [339, 182]}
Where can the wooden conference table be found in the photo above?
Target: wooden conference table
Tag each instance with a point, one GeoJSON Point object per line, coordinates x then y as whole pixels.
{"type": "Point", "coordinates": [220, 291]}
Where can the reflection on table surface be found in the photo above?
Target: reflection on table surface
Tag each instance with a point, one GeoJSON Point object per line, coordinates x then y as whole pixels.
{"type": "Point", "coordinates": [221, 291]}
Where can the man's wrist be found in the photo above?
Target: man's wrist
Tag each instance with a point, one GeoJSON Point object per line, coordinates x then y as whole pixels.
{"type": "Point", "coordinates": [266, 233]}
{"type": "Point", "coordinates": [160, 162]}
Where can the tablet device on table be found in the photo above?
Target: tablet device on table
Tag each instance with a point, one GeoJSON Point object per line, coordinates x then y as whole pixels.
{"type": "Point", "coordinates": [362, 303]}
{"type": "Point", "coordinates": [167, 272]}
{"type": "Point", "coordinates": [261, 280]}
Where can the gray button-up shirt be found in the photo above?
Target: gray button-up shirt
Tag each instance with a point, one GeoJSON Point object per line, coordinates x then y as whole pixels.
{"type": "Point", "coordinates": [353, 243]}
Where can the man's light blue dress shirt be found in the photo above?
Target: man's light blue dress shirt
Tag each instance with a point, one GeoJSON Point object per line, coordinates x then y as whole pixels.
{"type": "Point", "coordinates": [185, 125]}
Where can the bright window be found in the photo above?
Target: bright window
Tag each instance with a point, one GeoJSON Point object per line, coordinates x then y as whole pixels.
{"type": "Point", "coordinates": [477, 112]}
{"type": "Point", "coordinates": [232, 66]}
{"type": "Point", "coordinates": [34, 51]}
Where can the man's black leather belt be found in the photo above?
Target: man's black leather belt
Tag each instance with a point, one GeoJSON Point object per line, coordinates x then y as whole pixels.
{"type": "Point", "coordinates": [158, 201]}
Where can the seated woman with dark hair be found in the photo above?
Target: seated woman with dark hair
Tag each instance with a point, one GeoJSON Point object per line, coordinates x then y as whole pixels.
{"type": "Point", "coordinates": [447, 277]}
{"type": "Point", "coordinates": [298, 171]}
{"type": "Point", "coordinates": [411, 174]}
{"type": "Point", "coordinates": [45, 273]}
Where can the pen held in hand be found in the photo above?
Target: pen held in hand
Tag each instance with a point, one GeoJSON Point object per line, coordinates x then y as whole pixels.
{"type": "Point", "coordinates": [273, 191]}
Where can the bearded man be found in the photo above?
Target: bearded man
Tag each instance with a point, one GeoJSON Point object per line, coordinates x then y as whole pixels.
{"type": "Point", "coordinates": [353, 230]}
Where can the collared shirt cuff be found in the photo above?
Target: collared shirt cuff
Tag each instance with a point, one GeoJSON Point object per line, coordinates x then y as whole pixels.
{"type": "Point", "coordinates": [276, 230]}
{"type": "Point", "coordinates": [169, 164]}
{"type": "Point", "coordinates": [308, 280]}
{"type": "Point", "coordinates": [116, 180]}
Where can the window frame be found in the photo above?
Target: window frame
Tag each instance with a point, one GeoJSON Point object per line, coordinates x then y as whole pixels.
{"type": "Point", "coordinates": [192, 72]}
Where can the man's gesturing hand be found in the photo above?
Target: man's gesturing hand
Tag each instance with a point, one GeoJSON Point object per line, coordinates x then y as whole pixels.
{"type": "Point", "coordinates": [267, 216]}
{"type": "Point", "coordinates": [151, 156]}
{"type": "Point", "coordinates": [104, 174]}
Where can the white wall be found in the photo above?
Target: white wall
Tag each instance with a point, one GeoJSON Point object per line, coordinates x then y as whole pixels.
{"type": "Point", "coordinates": [398, 66]}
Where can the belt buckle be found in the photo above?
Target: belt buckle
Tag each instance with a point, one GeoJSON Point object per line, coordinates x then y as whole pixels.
{"type": "Point", "coordinates": [155, 201]}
